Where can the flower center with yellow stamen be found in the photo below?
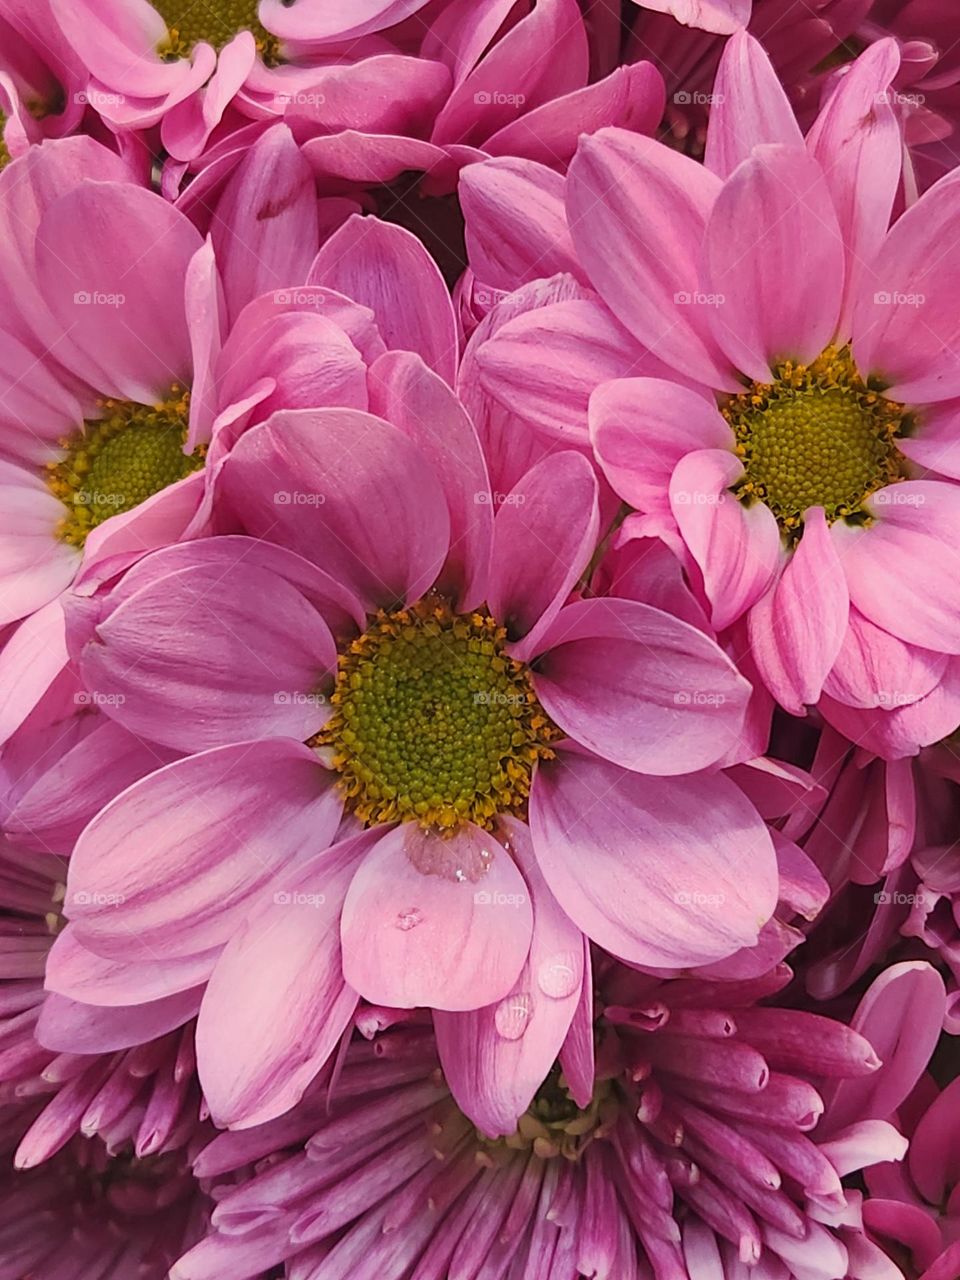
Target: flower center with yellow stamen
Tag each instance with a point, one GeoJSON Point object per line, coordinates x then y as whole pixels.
{"type": "Point", "coordinates": [819, 436]}
{"type": "Point", "coordinates": [119, 460]}
{"type": "Point", "coordinates": [434, 722]}
{"type": "Point", "coordinates": [553, 1124]}
{"type": "Point", "coordinates": [4, 153]}
{"type": "Point", "coordinates": [213, 22]}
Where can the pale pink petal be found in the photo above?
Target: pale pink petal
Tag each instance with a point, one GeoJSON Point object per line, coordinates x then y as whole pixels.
{"type": "Point", "coordinates": [333, 20]}
{"type": "Point", "coordinates": [406, 392]}
{"type": "Point", "coordinates": [906, 325]}
{"type": "Point", "coordinates": [875, 669]}
{"type": "Point", "coordinates": [70, 1027]}
{"type": "Point", "coordinates": [112, 261]}
{"type": "Point", "coordinates": [265, 228]}
{"type": "Point", "coordinates": [387, 269]}
{"type": "Point", "coordinates": [936, 444]}
{"type": "Point", "coordinates": [545, 532]}
{"type": "Point", "coordinates": [749, 106]}
{"type": "Point", "coordinates": [796, 629]}
{"type": "Point", "coordinates": [213, 654]}
{"type": "Point", "coordinates": [30, 660]}
{"type": "Point", "coordinates": [350, 492]}
{"type": "Point", "coordinates": [82, 975]}
{"type": "Point", "coordinates": [257, 1055]}
{"type": "Point", "coordinates": [435, 921]}
{"type": "Point", "coordinates": [640, 428]}
{"type": "Point", "coordinates": [639, 687]}
{"type": "Point", "coordinates": [172, 866]}
{"type": "Point", "coordinates": [496, 1058]}
{"type": "Point", "coordinates": [857, 141]}
{"type": "Point", "coordinates": [662, 872]}
{"type": "Point", "coordinates": [637, 213]}
{"type": "Point", "coordinates": [737, 547]}
{"type": "Point", "coordinates": [719, 16]}
{"type": "Point", "coordinates": [773, 219]}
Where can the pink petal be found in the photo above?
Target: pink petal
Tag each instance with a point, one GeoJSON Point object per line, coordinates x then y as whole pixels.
{"type": "Point", "coordinates": [875, 669]}
{"type": "Point", "coordinates": [544, 535]}
{"type": "Point", "coordinates": [665, 873]}
{"type": "Point", "coordinates": [257, 1055]}
{"type": "Point", "coordinates": [496, 1058]}
{"type": "Point", "coordinates": [406, 392]}
{"type": "Point", "coordinates": [642, 427]}
{"type": "Point", "coordinates": [906, 325]}
{"type": "Point", "coordinates": [387, 269]}
{"type": "Point", "coordinates": [737, 547]}
{"type": "Point", "coordinates": [211, 830]}
{"type": "Point", "coordinates": [720, 16]}
{"type": "Point", "coordinates": [347, 490]}
{"type": "Point", "coordinates": [443, 922]}
{"type": "Point", "coordinates": [773, 219]}
{"type": "Point", "coordinates": [213, 654]}
{"type": "Point", "coordinates": [70, 1027]}
{"type": "Point", "coordinates": [857, 141]}
{"type": "Point", "coordinates": [265, 229]}
{"type": "Point", "coordinates": [796, 630]}
{"type": "Point", "coordinates": [127, 319]}
{"type": "Point", "coordinates": [749, 106]}
{"type": "Point", "coordinates": [639, 687]}
{"type": "Point", "coordinates": [637, 213]}
{"type": "Point", "coordinates": [82, 975]}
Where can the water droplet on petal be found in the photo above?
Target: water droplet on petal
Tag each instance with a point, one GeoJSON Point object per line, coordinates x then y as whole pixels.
{"type": "Point", "coordinates": [512, 1016]}
{"type": "Point", "coordinates": [559, 975]}
{"type": "Point", "coordinates": [409, 919]}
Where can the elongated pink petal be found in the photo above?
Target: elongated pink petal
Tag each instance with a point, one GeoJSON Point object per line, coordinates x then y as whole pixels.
{"type": "Point", "coordinates": [773, 220]}
{"type": "Point", "coordinates": [750, 106]}
{"type": "Point", "coordinates": [70, 1027]}
{"type": "Point", "coordinates": [662, 872]}
{"type": "Point", "coordinates": [495, 1058]}
{"type": "Point", "coordinates": [434, 921]}
{"type": "Point", "coordinates": [211, 830]}
{"type": "Point", "coordinates": [639, 687]}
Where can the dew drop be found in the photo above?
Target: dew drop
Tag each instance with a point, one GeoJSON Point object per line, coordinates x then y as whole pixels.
{"type": "Point", "coordinates": [409, 919]}
{"type": "Point", "coordinates": [512, 1016]}
{"type": "Point", "coordinates": [559, 975]}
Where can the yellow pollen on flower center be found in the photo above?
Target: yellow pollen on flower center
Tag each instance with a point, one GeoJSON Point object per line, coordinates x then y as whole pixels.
{"type": "Point", "coordinates": [553, 1125]}
{"type": "Point", "coordinates": [117, 461]}
{"type": "Point", "coordinates": [434, 722]}
{"type": "Point", "coordinates": [214, 22]}
{"type": "Point", "coordinates": [818, 436]}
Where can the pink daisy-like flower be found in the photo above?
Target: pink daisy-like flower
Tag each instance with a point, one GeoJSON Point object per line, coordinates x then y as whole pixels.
{"type": "Point", "coordinates": [468, 686]}
{"type": "Point", "coordinates": [797, 486]}
{"type": "Point", "coordinates": [689, 1131]}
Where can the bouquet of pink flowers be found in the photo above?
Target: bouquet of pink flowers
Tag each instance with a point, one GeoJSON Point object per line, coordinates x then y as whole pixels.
{"type": "Point", "coordinates": [479, 640]}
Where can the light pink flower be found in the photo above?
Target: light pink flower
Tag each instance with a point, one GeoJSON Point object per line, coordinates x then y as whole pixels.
{"type": "Point", "coordinates": [720, 16]}
{"type": "Point", "coordinates": [384, 544]}
{"type": "Point", "coordinates": [698, 267]}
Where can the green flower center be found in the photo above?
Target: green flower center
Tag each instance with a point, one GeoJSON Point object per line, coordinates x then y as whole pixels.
{"type": "Point", "coordinates": [818, 436]}
{"type": "Point", "coordinates": [433, 722]}
{"type": "Point", "coordinates": [118, 461]}
{"type": "Point", "coordinates": [553, 1124]}
{"type": "Point", "coordinates": [213, 22]}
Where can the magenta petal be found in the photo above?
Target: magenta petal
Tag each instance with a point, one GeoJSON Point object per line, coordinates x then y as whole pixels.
{"type": "Point", "coordinates": [637, 214]}
{"type": "Point", "coordinates": [348, 491]}
{"type": "Point", "coordinates": [797, 629]}
{"type": "Point", "coordinates": [639, 687]}
{"type": "Point", "coordinates": [665, 872]}
{"type": "Point", "coordinates": [737, 547]}
{"type": "Point", "coordinates": [173, 865]}
{"type": "Point", "coordinates": [773, 220]}
{"type": "Point", "coordinates": [70, 1027]}
{"type": "Point", "coordinates": [496, 1058]}
{"type": "Point", "coordinates": [386, 268]}
{"type": "Point", "coordinates": [543, 537]}
{"type": "Point", "coordinates": [406, 392]}
{"type": "Point", "coordinates": [434, 921]}
{"type": "Point", "coordinates": [257, 1055]}
{"type": "Point", "coordinates": [749, 107]}
{"type": "Point", "coordinates": [212, 654]}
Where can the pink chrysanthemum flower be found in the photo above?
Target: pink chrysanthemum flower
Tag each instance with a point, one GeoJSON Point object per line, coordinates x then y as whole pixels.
{"type": "Point", "coordinates": [518, 768]}
{"type": "Point", "coordinates": [710, 1139]}
{"type": "Point", "coordinates": [788, 455]}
